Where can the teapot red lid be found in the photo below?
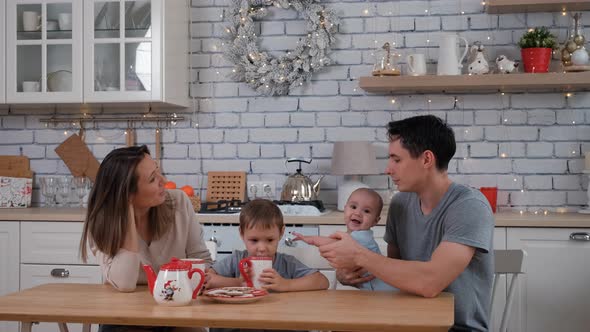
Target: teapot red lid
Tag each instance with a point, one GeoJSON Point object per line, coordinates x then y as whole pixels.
{"type": "Point", "coordinates": [176, 264]}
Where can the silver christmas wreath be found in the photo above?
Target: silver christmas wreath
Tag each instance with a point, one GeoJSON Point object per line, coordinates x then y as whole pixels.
{"type": "Point", "coordinates": [267, 74]}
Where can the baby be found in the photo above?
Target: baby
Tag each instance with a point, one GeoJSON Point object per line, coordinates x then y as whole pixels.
{"type": "Point", "coordinates": [261, 228]}
{"type": "Point", "coordinates": [362, 211]}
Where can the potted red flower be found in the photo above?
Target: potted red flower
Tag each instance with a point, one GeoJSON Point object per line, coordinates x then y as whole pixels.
{"type": "Point", "coordinates": [536, 47]}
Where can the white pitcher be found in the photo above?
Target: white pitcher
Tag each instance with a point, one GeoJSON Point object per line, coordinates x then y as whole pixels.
{"type": "Point", "coordinates": [448, 59]}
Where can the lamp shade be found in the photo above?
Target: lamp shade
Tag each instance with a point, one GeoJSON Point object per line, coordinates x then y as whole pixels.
{"type": "Point", "coordinates": [354, 158]}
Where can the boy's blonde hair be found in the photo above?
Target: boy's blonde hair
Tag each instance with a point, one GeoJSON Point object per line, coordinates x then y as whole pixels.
{"type": "Point", "coordinates": [372, 193]}
{"type": "Point", "coordinates": [260, 213]}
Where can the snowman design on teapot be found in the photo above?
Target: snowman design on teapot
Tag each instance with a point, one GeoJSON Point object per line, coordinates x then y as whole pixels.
{"type": "Point", "coordinates": [172, 286]}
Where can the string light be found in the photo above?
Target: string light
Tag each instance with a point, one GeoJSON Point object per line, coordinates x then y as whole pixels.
{"type": "Point", "coordinates": [392, 100]}
{"type": "Point", "coordinates": [503, 155]}
{"type": "Point", "coordinates": [366, 11]}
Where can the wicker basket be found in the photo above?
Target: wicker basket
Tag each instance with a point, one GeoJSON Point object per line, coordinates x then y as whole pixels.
{"type": "Point", "coordinates": [196, 200]}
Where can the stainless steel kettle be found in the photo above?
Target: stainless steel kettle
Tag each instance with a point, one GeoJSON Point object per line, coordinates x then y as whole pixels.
{"type": "Point", "coordinates": [299, 187]}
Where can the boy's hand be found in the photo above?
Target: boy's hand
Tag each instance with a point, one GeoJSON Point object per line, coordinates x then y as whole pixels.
{"type": "Point", "coordinates": [214, 280]}
{"type": "Point", "coordinates": [210, 277]}
{"type": "Point", "coordinates": [273, 281]}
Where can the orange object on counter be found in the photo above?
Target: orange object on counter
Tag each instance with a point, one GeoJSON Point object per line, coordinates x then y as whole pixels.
{"type": "Point", "coordinates": [188, 190]}
{"type": "Point", "coordinates": [170, 185]}
{"type": "Point", "coordinates": [491, 193]}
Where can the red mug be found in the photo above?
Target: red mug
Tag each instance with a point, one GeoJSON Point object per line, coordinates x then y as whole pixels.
{"type": "Point", "coordinates": [491, 193]}
{"type": "Point", "coordinates": [256, 264]}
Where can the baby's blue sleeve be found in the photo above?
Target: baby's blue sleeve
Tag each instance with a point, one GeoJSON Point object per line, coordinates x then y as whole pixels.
{"type": "Point", "coordinates": [365, 238]}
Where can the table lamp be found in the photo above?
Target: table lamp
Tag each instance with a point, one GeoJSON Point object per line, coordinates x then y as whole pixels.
{"type": "Point", "coordinates": [351, 159]}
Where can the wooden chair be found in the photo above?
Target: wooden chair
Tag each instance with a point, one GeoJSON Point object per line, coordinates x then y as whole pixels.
{"type": "Point", "coordinates": [508, 262]}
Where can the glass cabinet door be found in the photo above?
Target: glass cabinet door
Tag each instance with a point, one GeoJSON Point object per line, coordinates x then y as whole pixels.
{"type": "Point", "coordinates": [119, 39]}
{"type": "Point", "coordinates": [44, 51]}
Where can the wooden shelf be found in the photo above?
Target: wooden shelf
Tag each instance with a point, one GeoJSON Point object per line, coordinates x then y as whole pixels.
{"type": "Point", "coordinates": [523, 6]}
{"type": "Point", "coordinates": [548, 82]}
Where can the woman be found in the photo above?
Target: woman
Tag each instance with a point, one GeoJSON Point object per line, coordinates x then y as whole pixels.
{"type": "Point", "coordinates": [132, 220]}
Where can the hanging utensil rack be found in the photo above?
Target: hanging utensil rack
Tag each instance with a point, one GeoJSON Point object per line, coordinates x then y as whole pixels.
{"type": "Point", "coordinates": [165, 118]}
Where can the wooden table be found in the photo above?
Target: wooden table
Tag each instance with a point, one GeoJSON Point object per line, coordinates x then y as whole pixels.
{"type": "Point", "coordinates": [318, 310]}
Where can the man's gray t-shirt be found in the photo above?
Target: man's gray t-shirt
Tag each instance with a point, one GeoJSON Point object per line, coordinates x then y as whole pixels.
{"type": "Point", "coordinates": [462, 216]}
{"type": "Point", "coordinates": [286, 266]}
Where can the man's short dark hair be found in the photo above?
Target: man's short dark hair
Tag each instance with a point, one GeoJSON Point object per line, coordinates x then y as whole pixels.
{"type": "Point", "coordinates": [425, 132]}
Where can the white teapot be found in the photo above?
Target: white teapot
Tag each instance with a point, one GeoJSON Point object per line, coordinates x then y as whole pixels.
{"type": "Point", "coordinates": [173, 285]}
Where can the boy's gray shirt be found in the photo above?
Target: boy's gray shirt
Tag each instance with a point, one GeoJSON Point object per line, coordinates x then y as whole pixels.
{"type": "Point", "coordinates": [462, 216]}
{"type": "Point", "coordinates": [286, 266]}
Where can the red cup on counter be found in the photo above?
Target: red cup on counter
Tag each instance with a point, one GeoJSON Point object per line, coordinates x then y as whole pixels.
{"type": "Point", "coordinates": [491, 193]}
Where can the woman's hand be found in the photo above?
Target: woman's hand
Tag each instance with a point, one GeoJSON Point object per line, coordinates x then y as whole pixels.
{"type": "Point", "coordinates": [131, 241]}
{"type": "Point", "coordinates": [273, 281]}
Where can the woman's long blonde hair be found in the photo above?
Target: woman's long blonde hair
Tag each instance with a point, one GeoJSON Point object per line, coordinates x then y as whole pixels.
{"type": "Point", "coordinates": [108, 206]}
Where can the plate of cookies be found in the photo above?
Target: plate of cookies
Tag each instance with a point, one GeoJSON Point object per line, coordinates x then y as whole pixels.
{"type": "Point", "coordinates": [235, 294]}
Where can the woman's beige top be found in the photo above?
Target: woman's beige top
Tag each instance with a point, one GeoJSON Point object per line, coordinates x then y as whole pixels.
{"type": "Point", "coordinates": [184, 239]}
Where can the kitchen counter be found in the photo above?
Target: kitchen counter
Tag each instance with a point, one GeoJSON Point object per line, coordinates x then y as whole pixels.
{"type": "Point", "coordinates": [503, 219]}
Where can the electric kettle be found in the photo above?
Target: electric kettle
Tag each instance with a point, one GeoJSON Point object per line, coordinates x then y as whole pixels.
{"type": "Point", "coordinates": [298, 186]}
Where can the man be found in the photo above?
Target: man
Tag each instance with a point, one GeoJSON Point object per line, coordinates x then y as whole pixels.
{"type": "Point", "coordinates": [439, 233]}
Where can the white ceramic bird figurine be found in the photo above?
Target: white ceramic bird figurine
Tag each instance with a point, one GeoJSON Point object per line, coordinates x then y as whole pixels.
{"type": "Point", "coordinates": [505, 65]}
{"type": "Point", "coordinates": [479, 64]}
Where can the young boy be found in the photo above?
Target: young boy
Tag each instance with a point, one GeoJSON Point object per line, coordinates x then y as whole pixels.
{"type": "Point", "coordinates": [361, 212]}
{"type": "Point", "coordinates": [261, 228]}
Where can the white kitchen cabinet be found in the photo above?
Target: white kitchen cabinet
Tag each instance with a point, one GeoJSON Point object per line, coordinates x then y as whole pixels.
{"type": "Point", "coordinates": [9, 265]}
{"type": "Point", "coordinates": [2, 52]}
{"type": "Point", "coordinates": [44, 51]}
{"type": "Point", "coordinates": [49, 254]}
{"type": "Point", "coordinates": [51, 243]}
{"type": "Point", "coordinates": [136, 51]}
{"type": "Point", "coordinates": [554, 293]}
{"type": "Point", "coordinates": [107, 51]}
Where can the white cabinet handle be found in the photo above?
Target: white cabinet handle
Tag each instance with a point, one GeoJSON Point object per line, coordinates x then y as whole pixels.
{"type": "Point", "coordinates": [580, 236]}
{"type": "Point", "coordinates": [60, 273]}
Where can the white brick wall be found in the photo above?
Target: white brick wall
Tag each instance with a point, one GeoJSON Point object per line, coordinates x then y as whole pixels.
{"type": "Point", "coordinates": [529, 145]}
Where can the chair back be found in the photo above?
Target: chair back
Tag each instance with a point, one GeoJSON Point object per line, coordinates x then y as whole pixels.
{"type": "Point", "coordinates": [507, 262]}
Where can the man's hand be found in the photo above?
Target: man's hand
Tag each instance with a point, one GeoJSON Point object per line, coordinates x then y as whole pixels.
{"type": "Point", "coordinates": [342, 253]}
{"type": "Point", "coordinates": [353, 277]}
{"type": "Point", "coordinates": [313, 240]}
{"type": "Point", "coordinates": [273, 281]}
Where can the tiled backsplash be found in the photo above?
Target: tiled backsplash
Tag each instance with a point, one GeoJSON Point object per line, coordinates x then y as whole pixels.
{"type": "Point", "coordinates": [529, 145]}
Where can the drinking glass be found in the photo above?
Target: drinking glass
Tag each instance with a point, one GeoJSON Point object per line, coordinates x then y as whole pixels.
{"type": "Point", "coordinates": [63, 189]}
{"type": "Point", "coordinates": [81, 184]}
{"type": "Point", "coordinates": [49, 189]}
